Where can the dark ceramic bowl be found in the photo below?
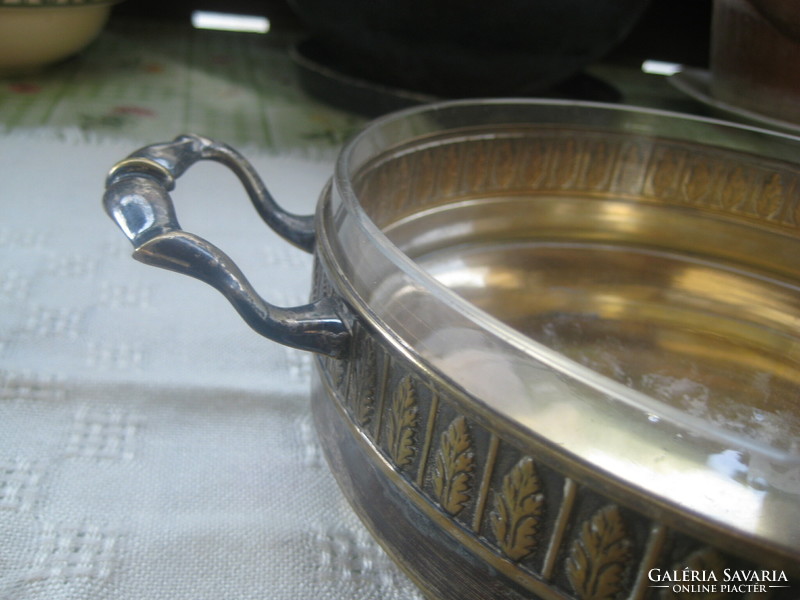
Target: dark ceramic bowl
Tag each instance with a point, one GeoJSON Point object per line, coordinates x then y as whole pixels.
{"type": "Point", "coordinates": [467, 48]}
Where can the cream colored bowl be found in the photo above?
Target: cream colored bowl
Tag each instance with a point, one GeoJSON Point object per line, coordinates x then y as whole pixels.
{"type": "Point", "coordinates": [35, 35]}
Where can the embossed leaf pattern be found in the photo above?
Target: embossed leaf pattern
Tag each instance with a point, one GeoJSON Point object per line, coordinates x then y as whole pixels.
{"type": "Point", "coordinates": [322, 286]}
{"type": "Point", "coordinates": [770, 200]}
{"type": "Point", "coordinates": [705, 560]}
{"type": "Point", "coordinates": [665, 173]}
{"type": "Point", "coordinates": [699, 181]}
{"type": "Point", "coordinates": [476, 167]}
{"type": "Point", "coordinates": [735, 190]}
{"type": "Point", "coordinates": [336, 370]}
{"type": "Point", "coordinates": [599, 556]}
{"type": "Point", "coordinates": [454, 464]}
{"type": "Point", "coordinates": [565, 163]}
{"type": "Point", "coordinates": [402, 422]}
{"type": "Point", "coordinates": [518, 510]}
{"type": "Point", "coordinates": [366, 378]}
{"type": "Point", "coordinates": [506, 162]}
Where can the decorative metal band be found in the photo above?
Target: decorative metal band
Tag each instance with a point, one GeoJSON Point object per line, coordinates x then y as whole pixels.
{"type": "Point", "coordinates": [541, 161]}
{"type": "Point", "coordinates": [559, 538]}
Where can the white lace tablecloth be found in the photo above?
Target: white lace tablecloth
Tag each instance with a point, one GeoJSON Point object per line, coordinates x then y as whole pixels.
{"type": "Point", "coordinates": [151, 445]}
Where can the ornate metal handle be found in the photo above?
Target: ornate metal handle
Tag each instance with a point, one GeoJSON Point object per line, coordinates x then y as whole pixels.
{"type": "Point", "coordinates": [137, 199]}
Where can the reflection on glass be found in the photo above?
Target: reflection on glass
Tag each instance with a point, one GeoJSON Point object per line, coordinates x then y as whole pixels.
{"type": "Point", "coordinates": [202, 19]}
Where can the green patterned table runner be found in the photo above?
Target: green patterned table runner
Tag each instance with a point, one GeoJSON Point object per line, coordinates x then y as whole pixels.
{"type": "Point", "coordinates": [149, 80]}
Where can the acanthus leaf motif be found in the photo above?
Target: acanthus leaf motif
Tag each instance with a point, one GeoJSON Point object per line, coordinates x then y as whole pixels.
{"type": "Point", "coordinates": [704, 560]}
{"type": "Point", "coordinates": [366, 379]}
{"type": "Point", "coordinates": [518, 510]}
{"type": "Point", "coordinates": [599, 556]}
{"type": "Point", "coordinates": [770, 200]}
{"type": "Point", "coordinates": [402, 423]}
{"type": "Point", "coordinates": [453, 467]}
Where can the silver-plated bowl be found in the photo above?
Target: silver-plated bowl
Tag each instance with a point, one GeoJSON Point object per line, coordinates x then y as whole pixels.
{"type": "Point", "coordinates": [558, 342]}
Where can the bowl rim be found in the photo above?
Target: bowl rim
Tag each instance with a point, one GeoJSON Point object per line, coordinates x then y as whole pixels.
{"type": "Point", "coordinates": [342, 214]}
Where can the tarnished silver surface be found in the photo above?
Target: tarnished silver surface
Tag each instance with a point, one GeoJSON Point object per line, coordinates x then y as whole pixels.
{"type": "Point", "coordinates": [137, 199]}
{"type": "Point", "coordinates": [573, 349]}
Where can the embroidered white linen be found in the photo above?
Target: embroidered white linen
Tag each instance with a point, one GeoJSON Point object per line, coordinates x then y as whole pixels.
{"type": "Point", "coordinates": [152, 445]}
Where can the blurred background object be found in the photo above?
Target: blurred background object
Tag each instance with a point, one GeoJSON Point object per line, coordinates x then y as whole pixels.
{"type": "Point", "coordinates": [668, 30]}
{"type": "Point", "coordinates": [376, 56]}
{"type": "Point", "coordinates": [35, 34]}
{"type": "Point", "coordinates": [450, 48]}
{"type": "Point", "coordinates": [755, 56]}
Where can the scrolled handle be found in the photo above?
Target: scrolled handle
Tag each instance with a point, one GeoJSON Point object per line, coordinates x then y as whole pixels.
{"type": "Point", "coordinates": [137, 199]}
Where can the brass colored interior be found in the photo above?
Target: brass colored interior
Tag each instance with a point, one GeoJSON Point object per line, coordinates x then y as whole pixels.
{"type": "Point", "coordinates": [667, 266]}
